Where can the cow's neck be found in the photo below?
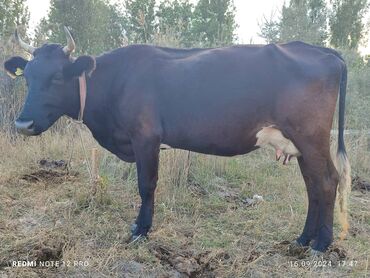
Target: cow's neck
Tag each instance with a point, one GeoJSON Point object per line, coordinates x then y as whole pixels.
{"type": "Point", "coordinates": [99, 99]}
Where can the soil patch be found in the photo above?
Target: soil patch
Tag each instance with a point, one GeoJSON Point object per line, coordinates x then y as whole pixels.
{"type": "Point", "coordinates": [48, 176]}
{"type": "Point", "coordinates": [53, 164]}
{"type": "Point", "coordinates": [360, 184]}
{"type": "Point", "coordinates": [188, 261]}
{"type": "Point", "coordinates": [225, 191]}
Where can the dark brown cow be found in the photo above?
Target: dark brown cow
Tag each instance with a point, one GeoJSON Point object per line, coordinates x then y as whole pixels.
{"type": "Point", "coordinates": [224, 101]}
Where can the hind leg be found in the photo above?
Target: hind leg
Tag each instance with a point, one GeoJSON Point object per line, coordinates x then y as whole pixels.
{"type": "Point", "coordinates": [310, 227]}
{"type": "Point", "coordinates": [321, 180]}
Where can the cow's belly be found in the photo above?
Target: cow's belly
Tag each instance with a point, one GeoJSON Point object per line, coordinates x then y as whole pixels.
{"type": "Point", "coordinates": [214, 139]}
{"type": "Point", "coordinates": [265, 136]}
{"type": "Point", "coordinates": [216, 149]}
{"type": "Point", "coordinates": [228, 131]}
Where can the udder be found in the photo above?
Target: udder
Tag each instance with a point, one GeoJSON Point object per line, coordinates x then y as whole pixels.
{"type": "Point", "coordinates": [282, 145]}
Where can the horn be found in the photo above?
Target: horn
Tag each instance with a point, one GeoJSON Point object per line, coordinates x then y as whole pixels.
{"type": "Point", "coordinates": [70, 47]}
{"type": "Point", "coordinates": [29, 48]}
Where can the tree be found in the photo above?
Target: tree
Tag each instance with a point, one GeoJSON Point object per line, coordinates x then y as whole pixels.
{"type": "Point", "coordinates": [304, 20]}
{"type": "Point", "coordinates": [209, 23]}
{"type": "Point", "coordinates": [97, 26]}
{"type": "Point", "coordinates": [13, 13]}
{"type": "Point", "coordinates": [174, 18]}
{"type": "Point", "coordinates": [214, 22]}
{"type": "Point", "coordinates": [140, 20]}
{"type": "Point", "coordinates": [270, 29]}
{"type": "Point", "coordinates": [346, 23]}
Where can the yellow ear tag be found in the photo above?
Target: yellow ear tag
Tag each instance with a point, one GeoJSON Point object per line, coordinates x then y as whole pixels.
{"type": "Point", "coordinates": [19, 72]}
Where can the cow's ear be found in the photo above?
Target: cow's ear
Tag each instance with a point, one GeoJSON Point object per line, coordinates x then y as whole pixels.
{"type": "Point", "coordinates": [14, 66]}
{"type": "Point", "coordinates": [77, 67]}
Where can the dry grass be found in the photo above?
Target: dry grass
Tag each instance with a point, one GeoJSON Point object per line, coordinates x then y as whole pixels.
{"type": "Point", "coordinates": [202, 226]}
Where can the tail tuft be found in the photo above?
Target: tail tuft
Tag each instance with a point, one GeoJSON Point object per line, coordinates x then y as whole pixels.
{"type": "Point", "coordinates": [344, 189]}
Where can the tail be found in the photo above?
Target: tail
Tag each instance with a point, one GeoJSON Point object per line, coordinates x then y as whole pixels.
{"type": "Point", "coordinates": [343, 166]}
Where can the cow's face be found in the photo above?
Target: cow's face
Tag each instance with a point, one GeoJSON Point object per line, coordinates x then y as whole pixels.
{"type": "Point", "coordinates": [52, 83]}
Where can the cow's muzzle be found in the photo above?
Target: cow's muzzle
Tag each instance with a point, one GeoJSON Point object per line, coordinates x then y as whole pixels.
{"type": "Point", "coordinates": [25, 127]}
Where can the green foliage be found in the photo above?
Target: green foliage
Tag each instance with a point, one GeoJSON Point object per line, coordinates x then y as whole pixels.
{"type": "Point", "coordinates": [13, 13]}
{"type": "Point", "coordinates": [346, 23]}
{"type": "Point", "coordinates": [96, 25]}
{"type": "Point", "coordinates": [304, 20]}
{"type": "Point", "coordinates": [270, 30]}
{"type": "Point", "coordinates": [214, 22]}
{"type": "Point", "coordinates": [358, 97]}
{"type": "Point", "coordinates": [209, 23]}
{"type": "Point", "coordinates": [175, 18]}
{"type": "Point", "coordinates": [140, 20]}
{"type": "Point", "coordinates": [311, 21]}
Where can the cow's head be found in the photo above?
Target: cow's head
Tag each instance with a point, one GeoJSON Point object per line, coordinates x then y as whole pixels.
{"type": "Point", "coordinates": [52, 82]}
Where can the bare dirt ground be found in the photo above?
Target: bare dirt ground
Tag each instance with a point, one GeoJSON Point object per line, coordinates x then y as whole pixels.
{"type": "Point", "coordinates": [205, 224]}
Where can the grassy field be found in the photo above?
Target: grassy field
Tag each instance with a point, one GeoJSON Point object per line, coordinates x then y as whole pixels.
{"type": "Point", "coordinates": [204, 225]}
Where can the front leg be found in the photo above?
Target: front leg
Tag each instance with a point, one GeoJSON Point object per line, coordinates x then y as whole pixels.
{"type": "Point", "coordinates": [147, 159]}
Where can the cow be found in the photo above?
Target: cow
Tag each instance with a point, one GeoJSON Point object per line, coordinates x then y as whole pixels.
{"type": "Point", "coordinates": [221, 101]}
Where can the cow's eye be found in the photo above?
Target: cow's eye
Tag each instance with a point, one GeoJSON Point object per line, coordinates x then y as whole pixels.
{"type": "Point", "coordinates": [58, 78]}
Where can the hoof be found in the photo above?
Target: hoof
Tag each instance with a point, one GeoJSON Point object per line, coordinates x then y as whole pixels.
{"type": "Point", "coordinates": [296, 249]}
{"type": "Point", "coordinates": [133, 228]}
{"type": "Point", "coordinates": [295, 243]}
{"type": "Point", "coordinates": [136, 235]}
{"type": "Point", "coordinates": [316, 254]}
{"type": "Point", "coordinates": [136, 238]}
